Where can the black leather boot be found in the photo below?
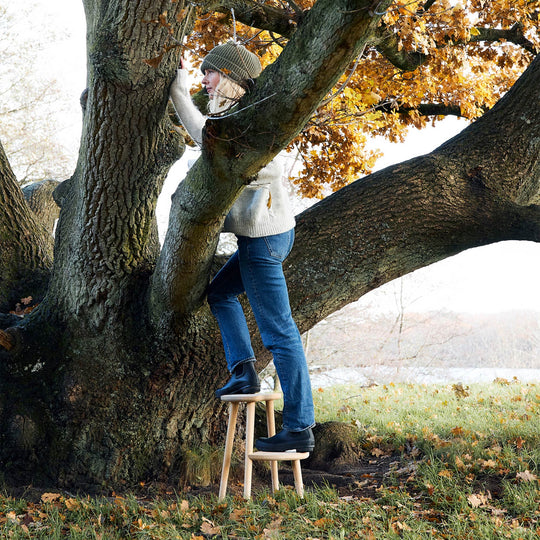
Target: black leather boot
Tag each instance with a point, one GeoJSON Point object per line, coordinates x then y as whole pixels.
{"type": "Point", "coordinates": [301, 441]}
{"type": "Point", "coordinates": [244, 380]}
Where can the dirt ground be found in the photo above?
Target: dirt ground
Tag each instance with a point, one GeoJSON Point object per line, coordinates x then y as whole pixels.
{"type": "Point", "coordinates": [360, 480]}
{"type": "Point", "coordinates": [338, 461]}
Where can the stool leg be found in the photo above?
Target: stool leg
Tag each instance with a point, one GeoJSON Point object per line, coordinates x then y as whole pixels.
{"type": "Point", "coordinates": [271, 426]}
{"type": "Point", "coordinates": [250, 433]}
{"type": "Point", "coordinates": [231, 428]}
{"type": "Point", "coordinates": [297, 472]}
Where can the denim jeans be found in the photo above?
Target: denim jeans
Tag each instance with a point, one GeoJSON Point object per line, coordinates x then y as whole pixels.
{"type": "Point", "coordinates": [256, 268]}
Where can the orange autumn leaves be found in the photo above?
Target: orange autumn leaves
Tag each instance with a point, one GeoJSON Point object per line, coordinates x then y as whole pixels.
{"type": "Point", "coordinates": [457, 70]}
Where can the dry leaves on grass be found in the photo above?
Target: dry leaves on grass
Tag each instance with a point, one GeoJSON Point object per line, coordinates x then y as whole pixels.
{"type": "Point", "coordinates": [477, 500]}
{"type": "Point", "coordinates": [208, 527]}
{"type": "Point", "coordinates": [526, 476]}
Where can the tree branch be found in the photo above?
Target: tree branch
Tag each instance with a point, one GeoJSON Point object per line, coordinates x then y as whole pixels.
{"type": "Point", "coordinates": [235, 148]}
{"type": "Point", "coordinates": [107, 242]}
{"type": "Point", "coordinates": [25, 245]}
{"type": "Point", "coordinates": [257, 15]}
{"type": "Point", "coordinates": [424, 109]}
{"type": "Point", "coordinates": [39, 196]}
{"type": "Point", "coordinates": [387, 44]}
{"type": "Point", "coordinates": [513, 35]}
{"type": "Point", "coordinates": [481, 187]}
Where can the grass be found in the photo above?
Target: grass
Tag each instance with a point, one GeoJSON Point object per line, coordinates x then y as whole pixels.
{"type": "Point", "coordinates": [465, 465]}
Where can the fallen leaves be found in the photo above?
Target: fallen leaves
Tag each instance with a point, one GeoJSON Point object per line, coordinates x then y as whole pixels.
{"type": "Point", "coordinates": [476, 500]}
{"type": "Point", "coordinates": [208, 527]}
{"type": "Point", "coordinates": [527, 476]}
{"type": "Point", "coordinates": [447, 469]}
{"type": "Point", "coordinates": [50, 497]}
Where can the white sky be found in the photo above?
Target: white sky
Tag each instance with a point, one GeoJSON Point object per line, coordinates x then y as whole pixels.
{"type": "Point", "coordinates": [495, 278]}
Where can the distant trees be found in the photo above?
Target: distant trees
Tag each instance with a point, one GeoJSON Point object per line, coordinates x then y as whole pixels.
{"type": "Point", "coordinates": [29, 106]}
{"type": "Point", "coordinates": [426, 339]}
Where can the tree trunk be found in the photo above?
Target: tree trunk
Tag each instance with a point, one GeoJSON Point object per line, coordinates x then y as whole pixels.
{"type": "Point", "coordinates": [115, 371]}
{"type": "Point", "coordinates": [25, 246]}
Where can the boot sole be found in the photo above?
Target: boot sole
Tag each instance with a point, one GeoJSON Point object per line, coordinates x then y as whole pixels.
{"type": "Point", "coordinates": [285, 449]}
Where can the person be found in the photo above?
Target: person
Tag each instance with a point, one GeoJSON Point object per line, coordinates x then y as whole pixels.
{"type": "Point", "coordinates": [263, 222]}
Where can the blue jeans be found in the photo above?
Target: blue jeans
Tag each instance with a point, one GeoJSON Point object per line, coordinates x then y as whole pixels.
{"type": "Point", "coordinates": [256, 268]}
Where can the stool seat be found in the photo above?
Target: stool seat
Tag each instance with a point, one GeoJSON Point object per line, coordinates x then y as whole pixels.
{"type": "Point", "coordinates": [278, 456]}
{"type": "Point", "coordinates": [234, 401]}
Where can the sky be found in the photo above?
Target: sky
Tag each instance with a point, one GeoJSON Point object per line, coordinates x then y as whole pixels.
{"type": "Point", "coordinates": [490, 279]}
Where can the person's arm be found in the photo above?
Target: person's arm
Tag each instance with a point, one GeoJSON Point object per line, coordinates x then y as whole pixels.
{"type": "Point", "coordinates": [192, 119]}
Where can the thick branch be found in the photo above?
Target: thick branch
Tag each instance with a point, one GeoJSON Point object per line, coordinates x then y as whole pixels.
{"type": "Point", "coordinates": [261, 16]}
{"type": "Point", "coordinates": [513, 35]}
{"type": "Point", "coordinates": [26, 248]}
{"type": "Point", "coordinates": [387, 44]}
{"type": "Point", "coordinates": [107, 232]}
{"type": "Point", "coordinates": [39, 196]}
{"type": "Point", "coordinates": [236, 147]}
{"type": "Point", "coordinates": [390, 224]}
{"type": "Point", "coordinates": [481, 187]}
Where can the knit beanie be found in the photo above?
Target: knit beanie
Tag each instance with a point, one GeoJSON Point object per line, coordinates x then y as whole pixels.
{"type": "Point", "coordinates": [233, 60]}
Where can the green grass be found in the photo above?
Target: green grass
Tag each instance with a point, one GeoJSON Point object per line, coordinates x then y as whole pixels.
{"type": "Point", "coordinates": [466, 466]}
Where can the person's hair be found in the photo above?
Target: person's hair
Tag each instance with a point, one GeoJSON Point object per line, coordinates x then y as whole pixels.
{"type": "Point", "coordinates": [226, 94]}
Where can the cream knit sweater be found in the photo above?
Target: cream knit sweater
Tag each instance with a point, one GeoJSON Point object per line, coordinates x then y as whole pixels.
{"type": "Point", "coordinates": [263, 208]}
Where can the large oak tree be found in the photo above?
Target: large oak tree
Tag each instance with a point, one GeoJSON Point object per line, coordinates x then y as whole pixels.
{"type": "Point", "coordinates": [112, 376]}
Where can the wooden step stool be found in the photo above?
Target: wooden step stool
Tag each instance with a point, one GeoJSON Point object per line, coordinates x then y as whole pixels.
{"type": "Point", "coordinates": [234, 401]}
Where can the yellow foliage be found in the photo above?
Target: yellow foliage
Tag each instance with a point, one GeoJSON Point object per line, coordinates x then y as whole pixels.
{"type": "Point", "coordinates": [381, 99]}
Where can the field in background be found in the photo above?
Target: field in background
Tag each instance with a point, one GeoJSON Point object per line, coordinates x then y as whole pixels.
{"type": "Point", "coordinates": [353, 337]}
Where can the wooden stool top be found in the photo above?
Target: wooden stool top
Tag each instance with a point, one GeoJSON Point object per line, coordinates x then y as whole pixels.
{"type": "Point", "coordinates": [250, 398]}
{"type": "Point", "coordinates": [278, 456]}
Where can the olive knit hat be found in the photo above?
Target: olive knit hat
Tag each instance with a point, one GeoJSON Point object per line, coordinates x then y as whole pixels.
{"type": "Point", "coordinates": [233, 60]}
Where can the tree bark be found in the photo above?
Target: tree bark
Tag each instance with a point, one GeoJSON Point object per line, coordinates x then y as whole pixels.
{"type": "Point", "coordinates": [39, 197]}
{"type": "Point", "coordinates": [25, 245]}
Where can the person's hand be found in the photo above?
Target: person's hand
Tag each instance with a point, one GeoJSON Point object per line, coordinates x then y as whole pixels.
{"type": "Point", "coordinates": [180, 85]}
